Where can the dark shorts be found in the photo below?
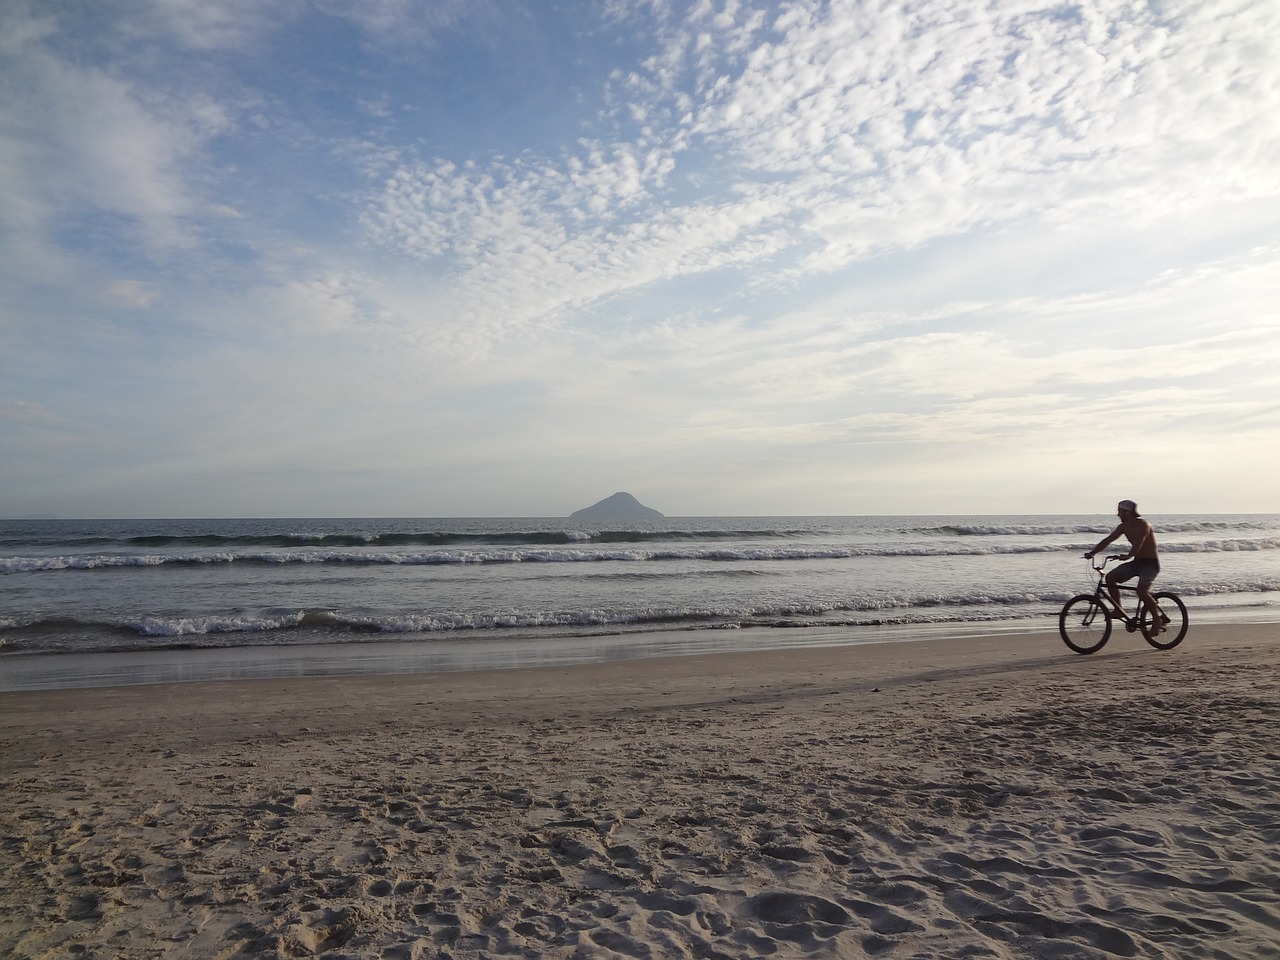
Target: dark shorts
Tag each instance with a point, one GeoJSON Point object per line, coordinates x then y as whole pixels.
{"type": "Point", "coordinates": [1145, 569]}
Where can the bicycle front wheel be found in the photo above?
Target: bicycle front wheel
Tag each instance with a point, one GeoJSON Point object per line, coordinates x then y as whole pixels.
{"type": "Point", "coordinates": [1085, 624]}
{"type": "Point", "coordinates": [1174, 612]}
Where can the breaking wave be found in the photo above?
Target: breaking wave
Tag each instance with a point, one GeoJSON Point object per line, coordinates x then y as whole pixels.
{"type": "Point", "coordinates": [9, 565]}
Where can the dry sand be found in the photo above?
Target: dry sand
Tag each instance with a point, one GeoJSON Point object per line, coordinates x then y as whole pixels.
{"type": "Point", "coordinates": [963, 798]}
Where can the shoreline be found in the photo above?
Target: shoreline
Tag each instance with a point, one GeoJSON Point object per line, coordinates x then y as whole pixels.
{"type": "Point", "coordinates": [685, 679]}
{"type": "Point", "coordinates": [21, 671]}
{"type": "Point", "coordinates": [391, 657]}
{"type": "Point", "coordinates": [995, 796]}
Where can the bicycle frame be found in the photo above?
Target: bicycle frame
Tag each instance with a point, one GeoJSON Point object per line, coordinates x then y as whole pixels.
{"type": "Point", "coordinates": [1104, 596]}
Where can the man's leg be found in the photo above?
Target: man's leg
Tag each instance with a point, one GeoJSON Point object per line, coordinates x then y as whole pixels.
{"type": "Point", "coordinates": [1144, 592]}
{"type": "Point", "coordinates": [1114, 578]}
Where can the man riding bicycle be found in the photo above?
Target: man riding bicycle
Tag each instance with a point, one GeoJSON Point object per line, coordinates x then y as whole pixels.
{"type": "Point", "coordinates": [1143, 561]}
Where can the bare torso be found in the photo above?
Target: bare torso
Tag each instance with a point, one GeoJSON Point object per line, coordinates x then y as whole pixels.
{"type": "Point", "coordinates": [1142, 538]}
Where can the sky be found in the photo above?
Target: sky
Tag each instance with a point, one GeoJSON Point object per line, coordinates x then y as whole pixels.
{"type": "Point", "coordinates": [291, 258]}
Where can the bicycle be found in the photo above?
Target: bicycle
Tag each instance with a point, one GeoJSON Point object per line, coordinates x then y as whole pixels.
{"type": "Point", "coordinates": [1085, 621]}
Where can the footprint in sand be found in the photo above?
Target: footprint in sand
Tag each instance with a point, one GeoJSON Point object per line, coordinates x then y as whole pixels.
{"type": "Point", "coordinates": [794, 908]}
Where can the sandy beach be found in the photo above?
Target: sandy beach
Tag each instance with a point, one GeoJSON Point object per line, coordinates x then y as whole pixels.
{"type": "Point", "coordinates": [962, 798]}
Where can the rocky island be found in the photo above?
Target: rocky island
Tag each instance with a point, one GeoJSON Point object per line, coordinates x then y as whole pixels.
{"type": "Point", "coordinates": [620, 506]}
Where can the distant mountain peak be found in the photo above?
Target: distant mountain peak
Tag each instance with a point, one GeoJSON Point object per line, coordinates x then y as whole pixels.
{"type": "Point", "coordinates": [620, 506]}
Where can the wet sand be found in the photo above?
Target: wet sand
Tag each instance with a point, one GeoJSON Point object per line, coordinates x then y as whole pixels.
{"type": "Point", "coordinates": [971, 797]}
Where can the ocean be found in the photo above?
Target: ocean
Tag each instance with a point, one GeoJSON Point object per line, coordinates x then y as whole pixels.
{"type": "Point", "coordinates": [144, 600]}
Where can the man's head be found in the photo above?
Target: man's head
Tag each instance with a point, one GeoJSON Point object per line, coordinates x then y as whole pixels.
{"type": "Point", "coordinates": [1127, 508]}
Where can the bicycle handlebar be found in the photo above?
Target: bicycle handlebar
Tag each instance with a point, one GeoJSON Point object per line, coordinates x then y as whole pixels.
{"type": "Point", "coordinates": [1105, 560]}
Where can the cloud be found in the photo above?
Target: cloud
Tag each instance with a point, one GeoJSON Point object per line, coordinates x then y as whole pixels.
{"type": "Point", "coordinates": [33, 432]}
{"type": "Point", "coordinates": [842, 131]}
{"type": "Point", "coordinates": [85, 140]}
{"type": "Point", "coordinates": [132, 293]}
{"type": "Point", "coordinates": [23, 411]}
{"type": "Point", "coordinates": [411, 23]}
{"type": "Point", "coordinates": [1068, 373]}
{"type": "Point", "coordinates": [208, 25]}
{"type": "Point", "coordinates": [322, 303]}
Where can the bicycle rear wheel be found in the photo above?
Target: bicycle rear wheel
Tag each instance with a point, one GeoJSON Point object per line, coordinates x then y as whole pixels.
{"type": "Point", "coordinates": [1085, 624]}
{"type": "Point", "coordinates": [1175, 613]}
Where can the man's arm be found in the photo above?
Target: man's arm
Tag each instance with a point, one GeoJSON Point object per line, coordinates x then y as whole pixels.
{"type": "Point", "coordinates": [1106, 540]}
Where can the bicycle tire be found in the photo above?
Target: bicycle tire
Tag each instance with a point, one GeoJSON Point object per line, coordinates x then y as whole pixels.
{"type": "Point", "coordinates": [1172, 606]}
{"type": "Point", "coordinates": [1085, 623]}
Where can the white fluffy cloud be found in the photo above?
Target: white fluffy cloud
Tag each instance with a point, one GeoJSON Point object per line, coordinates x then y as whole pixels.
{"type": "Point", "coordinates": [844, 130]}
{"type": "Point", "coordinates": [81, 138]}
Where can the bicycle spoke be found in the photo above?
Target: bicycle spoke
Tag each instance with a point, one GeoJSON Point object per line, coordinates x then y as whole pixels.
{"type": "Point", "coordinates": [1173, 622]}
{"type": "Point", "coordinates": [1085, 624]}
